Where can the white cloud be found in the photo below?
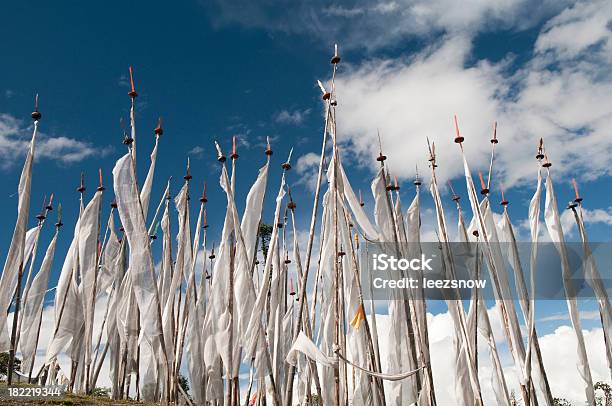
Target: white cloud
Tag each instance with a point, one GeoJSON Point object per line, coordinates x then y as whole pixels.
{"type": "Point", "coordinates": [590, 217]}
{"type": "Point", "coordinates": [295, 117]}
{"type": "Point", "coordinates": [558, 353]}
{"type": "Point", "coordinates": [307, 167]}
{"type": "Point", "coordinates": [584, 315]}
{"type": "Point", "coordinates": [196, 151]}
{"type": "Point", "coordinates": [375, 24]}
{"type": "Point", "coordinates": [578, 29]}
{"type": "Point", "coordinates": [15, 136]}
{"type": "Point", "coordinates": [567, 102]}
{"type": "Point", "coordinates": [560, 358]}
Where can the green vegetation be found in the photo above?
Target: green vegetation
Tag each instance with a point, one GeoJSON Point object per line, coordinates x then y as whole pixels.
{"type": "Point", "coordinates": [265, 232]}
{"type": "Point", "coordinates": [4, 361]}
{"type": "Point", "coordinates": [182, 380]}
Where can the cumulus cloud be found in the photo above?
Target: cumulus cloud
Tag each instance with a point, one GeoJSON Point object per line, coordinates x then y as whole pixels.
{"type": "Point", "coordinates": [590, 217]}
{"type": "Point", "coordinates": [409, 99]}
{"type": "Point", "coordinates": [291, 117]}
{"type": "Point", "coordinates": [307, 167]}
{"type": "Point", "coordinates": [15, 137]}
{"type": "Point", "coordinates": [558, 353]}
{"type": "Point", "coordinates": [375, 24]}
{"type": "Point", "coordinates": [584, 27]}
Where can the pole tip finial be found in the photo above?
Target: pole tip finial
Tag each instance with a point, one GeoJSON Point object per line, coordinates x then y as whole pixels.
{"type": "Point", "coordinates": [36, 114]}
{"type": "Point", "coordinates": [578, 198]}
{"type": "Point", "coordinates": [291, 205]}
{"type": "Point", "coordinates": [494, 140]}
{"type": "Point", "coordinates": [49, 206]}
{"type": "Point", "coordinates": [188, 176]}
{"type": "Point", "coordinates": [432, 154]}
{"type": "Point", "coordinates": [234, 155]}
{"type": "Point", "coordinates": [458, 138]}
{"type": "Point", "coordinates": [100, 188]}
{"type": "Point", "coordinates": [159, 130]}
{"type": "Point", "coordinates": [547, 163]}
{"type": "Point", "coordinates": [381, 157]}
{"type": "Point", "coordinates": [336, 58]}
{"type": "Point", "coordinates": [220, 157]}
{"type": "Point", "coordinates": [81, 188]}
{"type": "Point", "coordinates": [454, 196]}
{"type": "Point", "coordinates": [132, 93]}
{"type": "Point", "coordinates": [268, 148]}
{"type": "Point", "coordinates": [325, 94]}
{"type": "Point", "coordinates": [540, 154]}
{"type": "Point", "coordinates": [417, 181]}
{"type": "Point", "coordinates": [127, 139]}
{"type": "Point", "coordinates": [42, 215]}
{"type": "Point", "coordinates": [504, 202]}
{"type": "Point", "coordinates": [59, 217]}
{"type": "Point", "coordinates": [484, 190]}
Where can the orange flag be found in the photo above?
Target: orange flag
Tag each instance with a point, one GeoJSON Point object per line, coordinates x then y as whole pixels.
{"type": "Point", "coordinates": [360, 315]}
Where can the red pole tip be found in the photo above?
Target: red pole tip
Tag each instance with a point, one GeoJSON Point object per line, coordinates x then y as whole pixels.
{"type": "Point", "coordinates": [132, 78]}
{"type": "Point", "coordinates": [456, 126]}
{"type": "Point", "coordinates": [482, 183]}
{"type": "Point", "coordinates": [576, 193]}
{"type": "Point", "coordinates": [100, 187]}
{"type": "Point", "coordinates": [458, 138]}
{"type": "Point", "coordinates": [234, 154]}
{"type": "Point", "coordinates": [203, 199]}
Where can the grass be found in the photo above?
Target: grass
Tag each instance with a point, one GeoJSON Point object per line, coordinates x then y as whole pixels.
{"type": "Point", "coordinates": [70, 400]}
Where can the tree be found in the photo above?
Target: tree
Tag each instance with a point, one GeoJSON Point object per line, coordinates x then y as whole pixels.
{"type": "Point", "coordinates": [561, 402]}
{"type": "Point", "coordinates": [4, 361]}
{"type": "Point", "coordinates": [606, 400]}
{"type": "Point", "coordinates": [182, 380]}
{"type": "Point", "coordinates": [265, 233]}
{"type": "Point", "coordinates": [513, 401]}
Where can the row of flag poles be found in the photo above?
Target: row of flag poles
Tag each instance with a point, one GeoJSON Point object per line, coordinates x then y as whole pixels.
{"type": "Point", "coordinates": [214, 314]}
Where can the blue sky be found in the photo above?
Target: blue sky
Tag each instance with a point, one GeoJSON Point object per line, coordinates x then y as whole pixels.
{"type": "Point", "coordinates": [222, 68]}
